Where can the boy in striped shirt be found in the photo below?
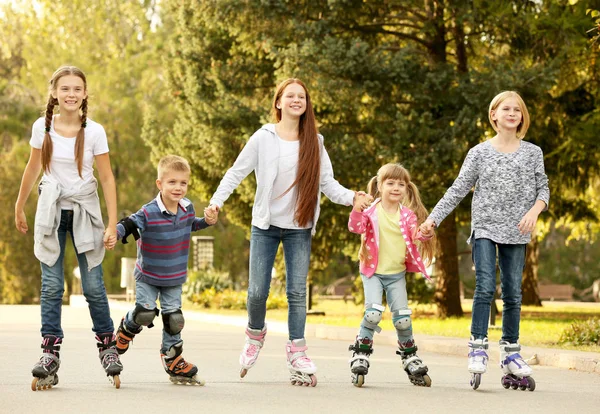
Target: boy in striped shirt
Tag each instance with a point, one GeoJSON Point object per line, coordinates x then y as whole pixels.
{"type": "Point", "coordinates": [162, 230]}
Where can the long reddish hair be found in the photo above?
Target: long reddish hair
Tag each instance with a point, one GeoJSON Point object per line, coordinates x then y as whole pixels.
{"type": "Point", "coordinates": [52, 102]}
{"type": "Point", "coordinates": [309, 158]}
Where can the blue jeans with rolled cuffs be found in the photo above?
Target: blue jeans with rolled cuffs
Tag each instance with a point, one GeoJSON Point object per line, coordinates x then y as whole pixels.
{"type": "Point", "coordinates": [511, 260]}
{"type": "Point", "coordinates": [296, 251]}
{"type": "Point", "coordinates": [396, 296]}
{"type": "Point", "coordinates": [170, 301]}
{"type": "Point", "coordinates": [53, 287]}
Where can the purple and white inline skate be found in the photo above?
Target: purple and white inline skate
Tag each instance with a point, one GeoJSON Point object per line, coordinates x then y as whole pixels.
{"type": "Point", "coordinates": [517, 373]}
{"type": "Point", "coordinates": [478, 359]}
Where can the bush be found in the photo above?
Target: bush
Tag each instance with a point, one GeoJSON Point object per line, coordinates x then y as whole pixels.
{"type": "Point", "coordinates": [231, 299]}
{"type": "Point", "coordinates": [207, 283]}
{"type": "Point", "coordinates": [582, 333]}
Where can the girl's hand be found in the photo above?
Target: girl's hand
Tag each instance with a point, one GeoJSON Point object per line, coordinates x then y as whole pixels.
{"type": "Point", "coordinates": [527, 223]}
{"type": "Point", "coordinates": [361, 200]}
{"type": "Point", "coordinates": [211, 214]}
{"type": "Point", "coordinates": [21, 221]}
{"type": "Point", "coordinates": [110, 237]}
{"type": "Point", "coordinates": [427, 227]}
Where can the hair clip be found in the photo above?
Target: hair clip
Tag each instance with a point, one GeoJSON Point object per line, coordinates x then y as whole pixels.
{"type": "Point", "coordinates": [47, 129]}
{"type": "Point", "coordinates": [84, 124]}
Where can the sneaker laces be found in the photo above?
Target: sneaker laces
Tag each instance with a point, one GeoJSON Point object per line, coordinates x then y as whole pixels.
{"type": "Point", "coordinates": [110, 358]}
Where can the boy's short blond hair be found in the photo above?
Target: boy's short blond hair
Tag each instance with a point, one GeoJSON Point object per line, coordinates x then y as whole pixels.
{"type": "Point", "coordinates": [172, 163]}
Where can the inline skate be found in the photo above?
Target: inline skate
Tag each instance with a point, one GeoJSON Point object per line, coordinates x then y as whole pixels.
{"type": "Point", "coordinates": [109, 357]}
{"type": "Point", "coordinates": [517, 373]}
{"type": "Point", "coordinates": [478, 359]}
{"type": "Point", "coordinates": [45, 370]}
{"type": "Point", "coordinates": [180, 371]}
{"type": "Point", "coordinates": [359, 363]}
{"type": "Point", "coordinates": [255, 339]}
{"type": "Point", "coordinates": [302, 369]}
{"type": "Point", "coordinates": [412, 364]}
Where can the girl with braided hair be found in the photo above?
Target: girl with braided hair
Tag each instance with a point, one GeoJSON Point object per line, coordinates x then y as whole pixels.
{"type": "Point", "coordinates": [64, 146]}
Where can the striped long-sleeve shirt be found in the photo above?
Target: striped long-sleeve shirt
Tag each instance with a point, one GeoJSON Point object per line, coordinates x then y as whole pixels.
{"type": "Point", "coordinates": [164, 243]}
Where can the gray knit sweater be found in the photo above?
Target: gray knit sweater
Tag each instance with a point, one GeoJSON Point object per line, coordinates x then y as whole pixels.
{"type": "Point", "coordinates": [507, 185]}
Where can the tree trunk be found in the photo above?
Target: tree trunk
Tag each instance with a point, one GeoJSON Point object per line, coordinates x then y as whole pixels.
{"type": "Point", "coordinates": [531, 292]}
{"type": "Point", "coordinates": [447, 285]}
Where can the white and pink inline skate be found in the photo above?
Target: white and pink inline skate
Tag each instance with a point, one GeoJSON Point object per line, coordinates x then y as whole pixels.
{"type": "Point", "coordinates": [255, 339]}
{"type": "Point", "coordinates": [302, 369]}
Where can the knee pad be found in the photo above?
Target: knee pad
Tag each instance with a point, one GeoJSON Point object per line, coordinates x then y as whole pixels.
{"type": "Point", "coordinates": [401, 319]}
{"type": "Point", "coordinates": [143, 316]}
{"type": "Point", "coordinates": [372, 316]}
{"type": "Point", "coordinates": [173, 322]}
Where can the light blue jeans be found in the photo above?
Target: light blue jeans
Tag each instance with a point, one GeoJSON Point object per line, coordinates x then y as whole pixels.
{"type": "Point", "coordinates": [296, 251]}
{"type": "Point", "coordinates": [394, 287]}
{"type": "Point", "coordinates": [53, 287]}
{"type": "Point", "coordinates": [170, 301]}
{"type": "Point", "coordinates": [511, 260]}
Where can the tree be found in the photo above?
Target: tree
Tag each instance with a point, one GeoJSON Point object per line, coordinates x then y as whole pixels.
{"type": "Point", "coordinates": [390, 81]}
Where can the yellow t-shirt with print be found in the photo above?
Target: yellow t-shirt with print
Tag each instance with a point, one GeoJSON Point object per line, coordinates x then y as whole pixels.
{"type": "Point", "coordinates": [392, 247]}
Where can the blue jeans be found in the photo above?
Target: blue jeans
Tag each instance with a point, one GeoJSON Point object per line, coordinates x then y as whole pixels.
{"type": "Point", "coordinates": [511, 260]}
{"type": "Point", "coordinates": [53, 287]}
{"type": "Point", "coordinates": [170, 301]}
{"type": "Point", "coordinates": [296, 251]}
{"type": "Point", "coordinates": [395, 294]}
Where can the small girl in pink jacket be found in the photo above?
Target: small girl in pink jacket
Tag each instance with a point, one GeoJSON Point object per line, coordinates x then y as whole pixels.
{"type": "Point", "coordinates": [391, 245]}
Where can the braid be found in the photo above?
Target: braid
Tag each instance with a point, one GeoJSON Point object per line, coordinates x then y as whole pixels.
{"type": "Point", "coordinates": [47, 145]}
{"type": "Point", "coordinates": [80, 141]}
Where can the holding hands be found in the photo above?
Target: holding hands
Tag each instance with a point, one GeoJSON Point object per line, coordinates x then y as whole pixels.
{"type": "Point", "coordinates": [110, 237]}
{"type": "Point", "coordinates": [362, 200]}
{"type": "Point", "coordinates": [211, 214]}
{"type": "Point", "coordinates": [427, 228]}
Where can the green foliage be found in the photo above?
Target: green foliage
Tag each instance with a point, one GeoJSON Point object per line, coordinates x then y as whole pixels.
{"type": "Point", "coordinates": [582, 333]}
{"type": "Point", "coordinates": [201, 280]}
{"type": "Point", "coordinates": [230, 299]}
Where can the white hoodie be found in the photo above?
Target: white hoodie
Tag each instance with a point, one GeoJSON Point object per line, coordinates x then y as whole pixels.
{"type": "Point", "coordinates": [261, 155]}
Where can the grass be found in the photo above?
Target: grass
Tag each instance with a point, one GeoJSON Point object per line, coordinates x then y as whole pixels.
{"type": "Point", "coordinates": [539, 326]}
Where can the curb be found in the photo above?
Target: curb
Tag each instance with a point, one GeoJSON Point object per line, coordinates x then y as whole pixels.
{"type": "Point", "coordinates": [566, 359]}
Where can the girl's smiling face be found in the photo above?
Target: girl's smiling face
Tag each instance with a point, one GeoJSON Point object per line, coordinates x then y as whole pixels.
{"type": "Point", "coordinates": [70, 93]}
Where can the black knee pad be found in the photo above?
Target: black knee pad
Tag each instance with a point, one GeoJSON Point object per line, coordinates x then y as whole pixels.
{"type": "Point", "coordinates": [173, 322]}
{"type": "Point", "coordinates": [143, 316]}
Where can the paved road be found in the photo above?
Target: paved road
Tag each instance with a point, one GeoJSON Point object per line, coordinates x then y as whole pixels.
{"type": "Point", "coordinates": [145, 388]}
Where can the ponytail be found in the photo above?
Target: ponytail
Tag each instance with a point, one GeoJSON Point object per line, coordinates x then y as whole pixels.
{"type": "Point", "coordinates": [413, 201]}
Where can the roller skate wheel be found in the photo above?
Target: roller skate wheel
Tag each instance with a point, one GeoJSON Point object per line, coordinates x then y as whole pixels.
{"type": "Point", "coordinates": [475, 381]}
{"type": "Point", "coordinates": [505, 383]}
{"type": "Point", "coordinates": [359, 380]}
{"type": "Point", "coordinates": [313, 381]}
{"type": "Point", "coordinates": [530, 383]}
{"type": "Point", "coordinates": [427, 380]}
{"type": "Point", "coordinates": [243, 372]}
{"type": "Point", "coordinates": [116, 381]}
{"type": "Point", "coordinates": [34, 384]}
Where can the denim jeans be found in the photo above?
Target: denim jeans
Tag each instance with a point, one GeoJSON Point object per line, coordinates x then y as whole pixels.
{"type": "Point", "coordinates": [296, 251]}
{"type": "Point", "coordinates": [53, 287]}
{"type": "Point", "coordinates": [395, 294]}
{"type": "Point", "coordinates": [511, 260]}
{"type": "Point", "coordinates": [170, 301]}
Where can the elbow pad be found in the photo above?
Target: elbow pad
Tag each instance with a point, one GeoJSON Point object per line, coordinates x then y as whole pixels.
{"type": "Point", "coordinates": [130, 228]}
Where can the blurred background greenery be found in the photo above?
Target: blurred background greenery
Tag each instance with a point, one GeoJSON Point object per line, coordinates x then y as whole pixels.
{"type": "Point", "coordinates": [391, 81]}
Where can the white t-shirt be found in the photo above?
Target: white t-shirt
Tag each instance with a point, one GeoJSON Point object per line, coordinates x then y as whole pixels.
{"type": "Point", "coordinates": [283, 208]}
{"type": "Point", "coordinates": [63, 167]}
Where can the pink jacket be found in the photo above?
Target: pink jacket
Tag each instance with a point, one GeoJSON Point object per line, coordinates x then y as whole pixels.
{"type": "Point", "coordinates": [366, 222]}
